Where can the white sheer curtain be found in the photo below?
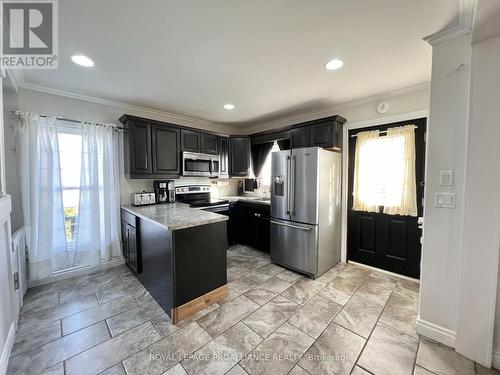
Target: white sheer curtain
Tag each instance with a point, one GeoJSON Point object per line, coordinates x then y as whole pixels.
{"type": "Point", "coordinates": [41, 193]}
{"type": "Point", "coordinates": [97, 233]}
{"type": "Point", "coordinates": [384, 172]}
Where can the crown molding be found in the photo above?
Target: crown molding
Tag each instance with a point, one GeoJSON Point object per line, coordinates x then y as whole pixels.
{"type": "Point", "coordinates": [463, 25]}
{"type": "Point", "coordinates": [16, 76]}
{"type": "Point", "coordinates": [132, 108]}
{"type": "Point", "coordinates": [329, 110]}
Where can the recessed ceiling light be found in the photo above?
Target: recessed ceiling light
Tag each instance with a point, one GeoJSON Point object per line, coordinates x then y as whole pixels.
{"type": "Point", "coordinates": [334, 64]}
{"type": "Point", "coordinates": [82, 60]}
{"type": "Point", "coordinates": [229, 106]}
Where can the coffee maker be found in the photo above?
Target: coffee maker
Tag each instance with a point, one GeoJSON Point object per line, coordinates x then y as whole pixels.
{"type": "Point", "coordinates": [164, 191]}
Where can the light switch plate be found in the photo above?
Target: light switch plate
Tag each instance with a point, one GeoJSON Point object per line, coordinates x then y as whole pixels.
{"type": "Point", "coordinates": [444, 200]}
{"type": "Point", "coordinates": [446, 178]}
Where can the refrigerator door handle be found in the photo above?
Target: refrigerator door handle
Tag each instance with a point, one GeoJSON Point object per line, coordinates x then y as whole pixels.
{"type": "Point", "coordinates": [293, 165]}
{"type": "Point", "coordinates": [288, 169]}
{"type": "Point", "coordinates": [290, 225]}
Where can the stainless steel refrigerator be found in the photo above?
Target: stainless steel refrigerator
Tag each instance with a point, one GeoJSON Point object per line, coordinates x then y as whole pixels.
{"type": "Point", "coordinates": [306, 209]}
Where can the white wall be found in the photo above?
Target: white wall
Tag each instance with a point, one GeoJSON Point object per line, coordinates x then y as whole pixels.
{"type": "Point", "coordinates": [11, 103]}
{"type": "Point", "coordinates": [446, 147]}
{"type": "Point", "coordinates": [7, 309]}
{"type": "Point", "coordinates": [481, 230]}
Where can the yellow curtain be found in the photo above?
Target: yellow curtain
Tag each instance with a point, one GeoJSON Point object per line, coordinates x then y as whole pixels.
{"type": "Point", "coordinates": [384, 172]}
{"type": "Point", "coordinates": [363, 172]}
{"type": "Point", "coordinates": [407, 195]}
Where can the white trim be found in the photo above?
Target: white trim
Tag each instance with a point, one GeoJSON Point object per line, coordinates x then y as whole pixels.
{"type": "Point", "coordinates": [329, 110]}
{"type": "Point", "coordinates": [435, 332]}
{"type": "Point", "coordinates": [4, 359]}
{"type": "Point", "coordinates": [387, 120]}
{"type": "Point", "coordinates": [16, 77]}
{"type": "Point", "coordinates": [461, 27]}
{"type": "Point", "coordinates": [384, 271]}
{"type": "Point", "coordinates": [345, 161]}
{"type": "Point", "coordinates": [165, 116]}
{"type": "Point", "coordinates": [76, 272]}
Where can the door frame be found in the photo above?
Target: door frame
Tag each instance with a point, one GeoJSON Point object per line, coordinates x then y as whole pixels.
{"type": "Point", "coordinates": [345, 161]}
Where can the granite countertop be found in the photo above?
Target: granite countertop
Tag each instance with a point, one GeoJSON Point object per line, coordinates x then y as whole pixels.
{"type": "Point", "coordinates": [174, 216]}
{"type": "Point", "coordinates": [248, 198]}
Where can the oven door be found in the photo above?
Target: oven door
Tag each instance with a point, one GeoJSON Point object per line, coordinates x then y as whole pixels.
{"type": "Point", "coordinates": [196, 164]}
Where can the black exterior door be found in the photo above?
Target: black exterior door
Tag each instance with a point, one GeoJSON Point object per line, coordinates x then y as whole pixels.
{"type": "Point", "coordinates": [388, 242]}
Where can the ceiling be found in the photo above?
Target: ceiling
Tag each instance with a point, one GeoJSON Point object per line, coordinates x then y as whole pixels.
{"type": "Point", "coordinates": [264, 56]}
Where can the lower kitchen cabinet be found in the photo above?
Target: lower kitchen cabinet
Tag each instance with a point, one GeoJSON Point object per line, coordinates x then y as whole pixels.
{"type": "Point", "coordinates": [249, 225]}
{"type": "Point", "coordinates": [130, 248]}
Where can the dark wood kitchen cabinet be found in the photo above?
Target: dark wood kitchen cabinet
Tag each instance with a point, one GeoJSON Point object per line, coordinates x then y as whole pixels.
{"type": "Point", "coordinates": [223, 149]}
{"type": "Point", "coordinates": [300, 137]}
{"type": "Point", "coordinates": [239, 156]}
{"type": "Point", "coordinates": [130, 248]}
{"type": "Point", "coordinates": [250, 225]}
{"type": "Point", "coordinates": [151, 149]}
{"type": "Point", "coordinates": [190, 140]}
{"type": "Point", "coordinates": [209, 144]}
{"type": "Point", "coordinates": [165, 150]}
{"type": "Point", "coordinates": [139, 139]}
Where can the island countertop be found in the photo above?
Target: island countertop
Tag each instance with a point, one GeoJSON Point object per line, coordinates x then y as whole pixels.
{"type": "Point", "coordinates": [175, 216]}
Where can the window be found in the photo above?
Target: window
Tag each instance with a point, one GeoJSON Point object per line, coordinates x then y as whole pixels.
{"type": "Point", "coordinates": [70, 156]}
{"type": "Point", "coordinates": [384, 172]}
{"type": "Point", "coordinates": [265, 174]}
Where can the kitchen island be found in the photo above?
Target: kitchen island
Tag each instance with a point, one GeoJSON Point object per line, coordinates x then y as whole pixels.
{"type": "Point", "coordinates": [178, 253]}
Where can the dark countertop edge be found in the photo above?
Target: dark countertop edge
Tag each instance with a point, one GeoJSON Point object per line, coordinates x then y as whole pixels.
{"type": "Point", "coordinates": [131, 210]}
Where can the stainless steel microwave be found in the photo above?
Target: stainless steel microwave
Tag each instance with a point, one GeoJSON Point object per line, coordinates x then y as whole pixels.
{"type": "Point", "coordinates": [195, 164]}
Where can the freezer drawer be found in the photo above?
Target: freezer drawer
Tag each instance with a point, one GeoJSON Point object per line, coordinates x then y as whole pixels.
{"type": "Point", "coordinates": [295, 245]}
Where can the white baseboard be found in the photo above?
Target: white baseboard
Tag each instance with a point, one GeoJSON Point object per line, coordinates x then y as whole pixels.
{"type": "Point", "coordinates": [495, 360]}
{"type": "Point", "coordinates": [4, 359]}
{"type": "Point", "coordinates": [77, 272]}
{"type": "Point", "coordinates": [437, 333]}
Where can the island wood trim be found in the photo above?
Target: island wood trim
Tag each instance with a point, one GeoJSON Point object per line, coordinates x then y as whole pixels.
{"type": "Point", "coordinates": [197, 304]}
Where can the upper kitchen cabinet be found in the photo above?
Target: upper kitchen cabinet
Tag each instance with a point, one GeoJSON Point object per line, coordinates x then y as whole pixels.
{"type": "Point", "coordinates": [209, 144]}
{"type": "Point", "coordinates": [239, 156]}
{"type": "Point", "coordinates": [223, 148]}
{"type": "Point", "coordinates": [137, 147]}
{"type": "Point", "coordinates": [151, 149]}
{"type": "Point", "coordinates": [300, 137]}
{"type": "Point", "coordinates": [328, 134]}
{"type": "Point", "coordinates": [165, 150]}
{"type": "Point", "coordinates": [190, 140]}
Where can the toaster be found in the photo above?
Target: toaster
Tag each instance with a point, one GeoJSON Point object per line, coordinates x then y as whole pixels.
{"type": "Point", "coordinates": [144, 198]}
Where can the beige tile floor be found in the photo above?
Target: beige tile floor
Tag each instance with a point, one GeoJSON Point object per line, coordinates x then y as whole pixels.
{"type": "Point", "coordinates": [349, 321]}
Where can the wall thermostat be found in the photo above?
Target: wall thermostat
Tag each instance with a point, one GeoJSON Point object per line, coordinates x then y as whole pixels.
{"type": "Point", "coordinates": [383, 108]}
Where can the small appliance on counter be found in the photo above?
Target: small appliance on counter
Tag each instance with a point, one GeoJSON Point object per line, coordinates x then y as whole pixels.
{"type": "Point", "coordinates": [143, 198]}
{"type": "Point", "coordinates": [250, 185]}
{"type": "Point", "coordinates": [165, 191]}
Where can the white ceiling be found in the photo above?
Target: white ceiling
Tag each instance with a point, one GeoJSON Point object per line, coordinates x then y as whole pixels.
{"type": "Point", "coordinates": [264, 56]}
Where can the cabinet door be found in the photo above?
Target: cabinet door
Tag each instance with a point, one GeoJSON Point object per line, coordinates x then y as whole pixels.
{"type": "Point", "coordinates": [140, 148]}
{"type": "Point", "coordinates": [239, 156]}
{"type": "Point", "coordinates": [209, 143]}
{"type": "Point", "coordinates": [300, 137]}
{"type": "Point", "coordinates": [133, 258]}
{"type": "Point", "coordinates": [322, 135]}
{"type": "Point", "coordinates": [224, 154]}
{"type": "Point", "coordinates": [190, 140]}
{"type": "Point", "coordinates": [125, 240]}
{"type": "Point", "coordinates": [338, 135]}
{"type": "Point", "coordinates": [166, 149]}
